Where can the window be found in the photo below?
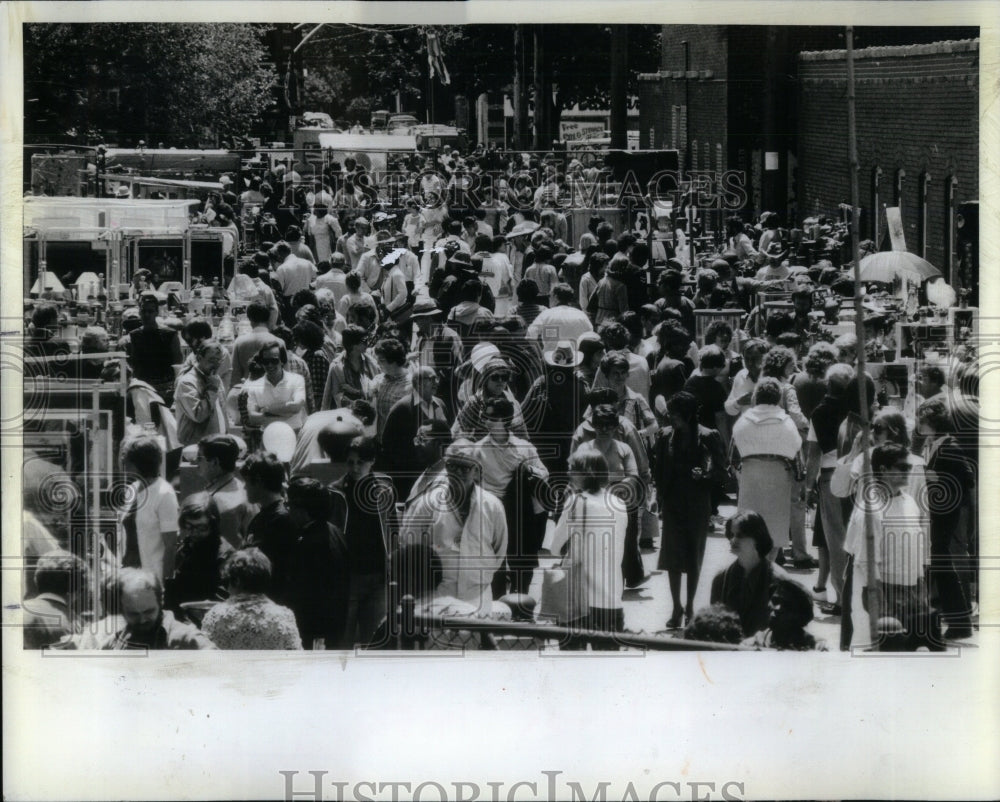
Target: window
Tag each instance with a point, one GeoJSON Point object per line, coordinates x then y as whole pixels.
{"type": "Point", "coordinates": [925, 180]}
{"type": "Point", "coordinates": [898, 198]}
{"type": "Point", "coordinates": [876, 203]}
{"type": "Point", "coordinates": [950, 207]}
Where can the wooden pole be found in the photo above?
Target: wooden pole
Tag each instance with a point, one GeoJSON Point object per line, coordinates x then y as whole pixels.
{"type": "Point", "coordinates": [538, 141]}
{"type": "Point", "coordinates": [619, 86]}
{"type": "Point", "coordinates": [859, 328]}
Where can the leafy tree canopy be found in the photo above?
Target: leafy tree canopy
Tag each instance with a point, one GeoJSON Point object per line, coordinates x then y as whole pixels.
{"type": "Point", "coordinates": [348, 61]}
{"type": "Point", "coordinates": [180, 84]}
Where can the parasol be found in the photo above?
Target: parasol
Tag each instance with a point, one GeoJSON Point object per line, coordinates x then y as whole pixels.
{"type": "Point", "coordinates": [887, 265]}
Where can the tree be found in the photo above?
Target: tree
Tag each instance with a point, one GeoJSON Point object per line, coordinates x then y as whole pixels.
{"type": "Point", "coordinates": [579, 62]}
{"type": "Point", "coordinates": [170, 83]}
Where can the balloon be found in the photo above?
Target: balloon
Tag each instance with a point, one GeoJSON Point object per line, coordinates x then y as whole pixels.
{"type": "Point", "coordinates": [279, 439]}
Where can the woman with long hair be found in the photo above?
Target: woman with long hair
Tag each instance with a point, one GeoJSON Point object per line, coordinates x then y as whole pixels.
{"type": "Point", "coordinates": [201, 555]}
{"type": "Point", "coordinates": [745, 586]}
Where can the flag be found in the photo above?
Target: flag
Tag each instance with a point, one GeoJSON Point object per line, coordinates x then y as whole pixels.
{"type": "Point", "coordinates": [435, 60]}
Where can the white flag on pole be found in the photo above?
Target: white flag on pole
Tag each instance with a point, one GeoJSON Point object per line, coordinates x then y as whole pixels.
{"type": "Point", "coordinates": [435, 59]}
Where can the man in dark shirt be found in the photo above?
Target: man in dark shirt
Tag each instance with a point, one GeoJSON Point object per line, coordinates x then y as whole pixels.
{"type": "Point", "coordinates": [709, 392]}
{"type": "Point", "coordinates": [271, 529]}
{"type": "Point", "coordinates": [154, 349]}
{"type": "Point", "coordinates": [370, 503]}
{"type": "Point", "coordinates": [320, 567]}
{"type": "Point", "coordinates": [672, 370]}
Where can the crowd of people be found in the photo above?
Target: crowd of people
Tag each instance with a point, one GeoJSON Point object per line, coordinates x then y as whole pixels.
{"type": "Point", "coordinates": [424, 400]}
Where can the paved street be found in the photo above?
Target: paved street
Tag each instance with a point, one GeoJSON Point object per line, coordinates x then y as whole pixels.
{"type": "Point", "coordinates": [648, 607]}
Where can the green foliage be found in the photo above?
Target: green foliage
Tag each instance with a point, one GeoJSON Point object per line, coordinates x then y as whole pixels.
{"type": "Point", "coordinates": [180, 84]}
{"type": "Point", "coordinates": [375, 63]}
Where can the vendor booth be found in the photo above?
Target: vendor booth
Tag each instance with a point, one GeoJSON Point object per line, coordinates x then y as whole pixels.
{"type": "Point", "coordinates": [112, 239]}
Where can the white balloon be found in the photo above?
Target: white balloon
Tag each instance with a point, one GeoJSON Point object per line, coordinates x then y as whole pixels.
{"type": "Point", "coordinates": [279, 439]}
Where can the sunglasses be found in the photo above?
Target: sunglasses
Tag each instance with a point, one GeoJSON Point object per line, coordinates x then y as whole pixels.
{"type": "Point", "coordinates": [458, 467]}
{"type": "Point", "coordinates": [902, 467]}
{"type": "Point", "coordinates": [270, 361]}
{"type": "Point", "coordinates": [500, 377]}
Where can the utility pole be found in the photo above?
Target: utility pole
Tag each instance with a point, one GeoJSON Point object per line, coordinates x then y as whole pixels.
{"type": "Point", "coordinates": [619, 87]}
{"type": "Point", "coordinates": [874, 597]}
{"type": "Point", "coordinates": [541, 101]}
{"type": "Point", "coordinates": [520, 94]}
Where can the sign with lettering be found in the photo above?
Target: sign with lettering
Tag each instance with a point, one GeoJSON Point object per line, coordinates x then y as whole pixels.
{"type": "Point", "coordinates": [575, 130]}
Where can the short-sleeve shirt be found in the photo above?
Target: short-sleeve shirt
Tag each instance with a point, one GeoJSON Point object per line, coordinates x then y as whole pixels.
{"type": "Point", "coordinates": [156, 513]}
{"type": "Point", "coordinates": [263, 395]}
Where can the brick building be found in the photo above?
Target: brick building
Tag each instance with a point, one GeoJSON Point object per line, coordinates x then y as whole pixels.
{"type": "Point", "coordinates": [734, 97]}
{"type": "Point", "coordinates": [917, 110]}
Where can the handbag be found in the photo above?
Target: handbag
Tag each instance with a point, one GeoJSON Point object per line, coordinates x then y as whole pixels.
{"type": "Point", "coordinates": [649, 525]}
{"type": "Point", "coordinates": [563, 594]}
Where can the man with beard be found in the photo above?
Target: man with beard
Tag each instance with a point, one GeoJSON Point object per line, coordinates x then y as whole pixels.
{"type": "Point", "coordinates": [147, 624]}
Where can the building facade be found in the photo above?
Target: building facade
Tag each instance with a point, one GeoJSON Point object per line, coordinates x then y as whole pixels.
{"type": "Point", "coordinates": [770, 102]}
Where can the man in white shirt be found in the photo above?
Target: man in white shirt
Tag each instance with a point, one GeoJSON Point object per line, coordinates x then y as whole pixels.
{"type": "Point", "coordinates": [501, 456]}
{"type": "Point", "coordinates": [353, 245]}
{"type": "Point", "coordinates": [279, 395]}
{"type": "Point", "coordinates": [323, 231]}
{"type": "Point", "coordinates": [149, 523]}
{"type": "Point", "coordinates": [495, 272]}
{"type": "Point", "coordinates": [294, 273]}
{"type": "Point", "coordinates": [559, 323]}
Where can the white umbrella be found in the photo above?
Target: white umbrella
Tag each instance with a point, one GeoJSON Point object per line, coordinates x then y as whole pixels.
{"type": "Point", "coordinates": [887, 265]}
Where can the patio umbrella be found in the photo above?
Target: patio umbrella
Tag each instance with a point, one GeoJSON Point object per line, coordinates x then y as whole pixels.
{"type": "Point", "coordinates": [887, 265]}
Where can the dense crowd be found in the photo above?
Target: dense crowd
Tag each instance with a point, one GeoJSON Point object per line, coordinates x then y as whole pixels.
{"type": "Point", "coordinates": [422, 399]}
